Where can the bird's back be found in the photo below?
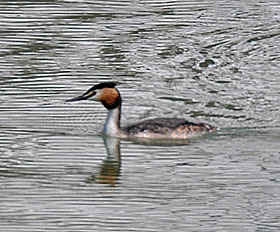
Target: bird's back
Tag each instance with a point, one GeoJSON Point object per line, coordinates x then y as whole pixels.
{"type": "Point", "coordinates": [166, 128]}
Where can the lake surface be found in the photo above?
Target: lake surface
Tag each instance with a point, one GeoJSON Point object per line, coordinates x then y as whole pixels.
{"type": "Point", "coordinates": [208, 61]}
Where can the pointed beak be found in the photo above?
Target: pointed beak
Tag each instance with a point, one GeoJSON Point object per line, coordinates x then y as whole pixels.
{"type": "Point", "coordinates": [85, 96]}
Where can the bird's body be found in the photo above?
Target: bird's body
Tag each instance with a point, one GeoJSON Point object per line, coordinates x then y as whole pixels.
{"type": "Point", "coordinates": [166, 128]}
{"type": "Point", "coordinates": [169, 128]}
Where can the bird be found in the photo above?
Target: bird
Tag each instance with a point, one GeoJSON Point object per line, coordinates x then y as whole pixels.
{"type": "Point", "coordinates": [167, 128]}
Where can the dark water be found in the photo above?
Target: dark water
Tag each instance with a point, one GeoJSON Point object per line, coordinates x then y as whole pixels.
{"type": "Point", "coordinates": [210, 61]}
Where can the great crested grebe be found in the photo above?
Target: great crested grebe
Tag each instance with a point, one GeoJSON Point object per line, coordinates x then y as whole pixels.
{"type": "Point", "coordinates": [110, 97]}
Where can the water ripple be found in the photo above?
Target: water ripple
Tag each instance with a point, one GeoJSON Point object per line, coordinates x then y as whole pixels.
{"type": "Point", "coordinates": [216, 62]}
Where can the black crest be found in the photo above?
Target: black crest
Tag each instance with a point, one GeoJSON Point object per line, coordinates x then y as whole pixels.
{"type": "Point", "coordinates": [101, 86]}
{"type": "Point", "coordinates": [104, 85]}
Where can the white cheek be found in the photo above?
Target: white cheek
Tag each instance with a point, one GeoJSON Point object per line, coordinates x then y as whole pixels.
{"type": "Point", "coordinates": [97, 96]}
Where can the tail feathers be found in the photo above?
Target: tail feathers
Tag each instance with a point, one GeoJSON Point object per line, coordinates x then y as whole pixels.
{"type": "Point", "coordinates": [208, 127]}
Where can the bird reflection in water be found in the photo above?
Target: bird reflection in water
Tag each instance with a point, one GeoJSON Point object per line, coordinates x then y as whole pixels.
{"type": "Point", "coordinates": [109, 170]}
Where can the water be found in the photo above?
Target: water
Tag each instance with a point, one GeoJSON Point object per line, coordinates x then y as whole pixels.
{"type": "Point", "coordinates": [215, 62]}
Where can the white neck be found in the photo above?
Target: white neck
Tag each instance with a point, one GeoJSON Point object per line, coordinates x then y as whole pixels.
{"type": "Point", "coordinates": [112, 124]}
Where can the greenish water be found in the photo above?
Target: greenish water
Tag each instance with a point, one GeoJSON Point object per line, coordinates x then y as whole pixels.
{"type": "Point", "coordinates": [215, 62]}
